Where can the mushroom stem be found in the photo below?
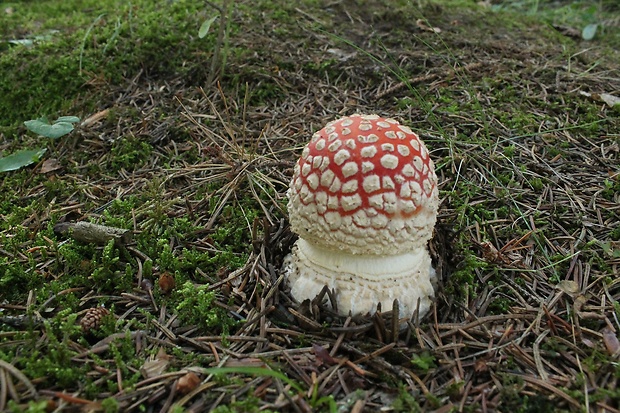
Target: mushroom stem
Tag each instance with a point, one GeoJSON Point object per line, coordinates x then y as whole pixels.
{"type": "Point", "coordinates": [362, 281]}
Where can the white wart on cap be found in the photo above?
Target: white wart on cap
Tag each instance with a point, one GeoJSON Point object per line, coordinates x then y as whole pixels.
{"type": "Point", "coordinates": [363, 200]}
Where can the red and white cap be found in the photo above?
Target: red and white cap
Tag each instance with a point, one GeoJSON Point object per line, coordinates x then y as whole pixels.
{"type": "Point", "coordinates": [364, 185]}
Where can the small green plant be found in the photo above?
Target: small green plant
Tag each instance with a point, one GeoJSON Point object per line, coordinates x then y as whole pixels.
{"type": "Point", "coordinates": [423, 361]}
{"type": "Point", "coordinates": [60, 127]}
{"type": "Point", "coordinates": [220, 52]}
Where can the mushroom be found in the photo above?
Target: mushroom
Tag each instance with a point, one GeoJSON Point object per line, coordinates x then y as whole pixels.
{"type": "Point", "coordinates": [363, 199]}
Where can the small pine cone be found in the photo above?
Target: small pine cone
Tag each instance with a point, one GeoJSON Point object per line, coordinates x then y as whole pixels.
{"type": "Point", "coordinates": [188, 383]}
{"type": "Point", "coordinates": [93, 318]}
{"type": "Point", "coordinates": [166, 282]}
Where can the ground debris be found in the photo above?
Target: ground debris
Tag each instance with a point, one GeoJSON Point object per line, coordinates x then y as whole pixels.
{"type": "Point", "coordinates": [526, 247]}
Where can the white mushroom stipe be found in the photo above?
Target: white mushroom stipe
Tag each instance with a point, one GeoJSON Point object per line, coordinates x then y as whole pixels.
{"type": "Point", "coordinates": [361, 283]}
{"type": "Point", "coordinates": [364, 215]}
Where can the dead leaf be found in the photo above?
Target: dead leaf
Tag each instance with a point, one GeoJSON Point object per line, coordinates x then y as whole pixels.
{"type": "Point", "coordinates": [155, 367]}
{"type": "Point", "coordinates": [587, 342]}
{"type": "Point", "coordinates": [481, 366]}
{"type": "Point", "coordinates": [340, 54]}
{"type": "Point", "coordinates": [611, 341]}
{"type": "Point", "coordinates": [422, 25]}
{"type": "Point", "coordinates": [568, 286]}
{"type": "Point", "coordinates": [580, 301]}
{"type": "Point", "coordinates": [489, 252]}
{"type": "Point", "coordinates": [608, 99]}
{"type": "Point", "coordinates": [611, 100]}
{"type": "Point", "coordinates": [323, 355]}
{"type": "Point", "coordinates": [50, 165]}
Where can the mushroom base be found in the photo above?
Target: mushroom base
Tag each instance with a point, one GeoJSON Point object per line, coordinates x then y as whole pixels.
{"type": "Point", "coordinates": [362, 281]}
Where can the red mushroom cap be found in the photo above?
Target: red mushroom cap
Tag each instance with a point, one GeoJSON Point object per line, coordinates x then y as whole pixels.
{"type": "Point", "coordinates": [366, 185]}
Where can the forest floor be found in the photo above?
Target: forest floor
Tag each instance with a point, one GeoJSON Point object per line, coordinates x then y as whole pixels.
{"type": "Point", "coordinates": [187, 144]}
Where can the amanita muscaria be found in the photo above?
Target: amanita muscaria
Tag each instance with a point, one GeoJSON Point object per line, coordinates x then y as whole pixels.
{"type": "Point", "coordinates": [363, 200]}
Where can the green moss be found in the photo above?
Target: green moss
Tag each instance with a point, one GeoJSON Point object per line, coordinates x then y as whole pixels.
{"type": "Point", "coordinates": [31, 407]}
{"type": "Point", "coordinates": [611, 189]}
{"type": "Point", "coordinates": [49, 357]}
{"type": "Point", "coordinates": [16, 280]}
{"type": "Point", "coordinates": [537, 184]}
{"type": "Point", "coordinates": [107, 53]}
{"type": "Point", "coordinates": [40, 81]}
{"type": "Point", "coordinates": [194, 306]}
{"type": "Point", "coordinates": [110, 274]}
{"type": "Point", "coordinates": [113, 41]}
{"type": "Point", "coordinates": [462, 280]}
{"type": "Point", "coordinates": [129, 153]}
{"type": "Point", "coordinates": [423, 362]}
{"type": "Point", "coordinates": [406, 402]}
{"type": "Point", "coordinates": [110, 405]}
{"type": "Point", "coordinates": [247, 404]}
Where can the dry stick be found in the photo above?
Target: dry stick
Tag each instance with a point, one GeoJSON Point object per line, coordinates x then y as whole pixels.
{"type": "Point", "coordinates": [454, 328]}
{"type": "Point", "coordinates": [377, 361]}
{"type": "Point", "coordinates": [168, 403]}
{"type": "Point", "coordinates": [340, 338]}
{"type": "Point", "coordinates": [211, 339]}
{"type": "Point", "coordinates": [607, 408]}
{"type": "Point", "coordinates": [66, 397]}
{"type": "Point", "coordinates": [418, 380]}
{"type": "Point", "coordinates": [458, 362]}
{"type": "Point", "coordinates": [280, 353]}
{"type": "Point", "coordinates": [104, 344]}
{"type": "Point", "coordinates": [11, 386]}
{"type": "Point", "coordinates": [305, 319]}
{"type": "Point", "coordinates": [20, 376]}
{"type": "Point", "coordinates": [375, 353]}
{"type": "Point", "coordinates": [379, 325]}
{"type": "Point", "coordinates": [258, 317]}
{"type": "Point", "coordinates": [165, 330]}
{"type": "Point", "coordinates": [302, 374]}
{"type": "Point", "coordinates": [465, 394]}
{"type": "Point", "coordinates": [537, 359]}
{"type": "Point", "coordinates": [327, 375]}
{"type": "Point", "coordinates": [541, 383]}
{"type": "Point", "coordinates": [217, 58]}
{"type": "Point", "coordinates": [228, 279]}
{"type": "Point", "coordinates": [396, 320]}
{"type": "Point", "coordinates": [3, 388]}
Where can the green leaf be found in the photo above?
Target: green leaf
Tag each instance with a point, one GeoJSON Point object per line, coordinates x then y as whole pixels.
{"type": "Point", "coordinates": [72, 119]}
{"type": "Point", "coordinates": [206, 25]}
{"type": "Point", "coordinates": [61, 126]}
{"type": "Point", "coordinates": [589, 32]}
{"type": "Point", "coordinates": [20, 159]}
